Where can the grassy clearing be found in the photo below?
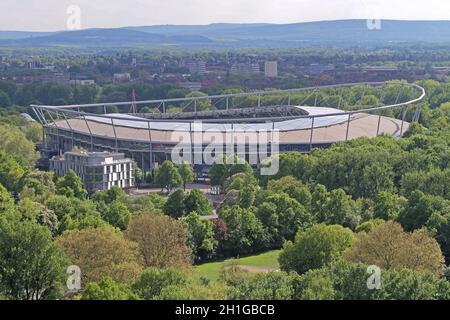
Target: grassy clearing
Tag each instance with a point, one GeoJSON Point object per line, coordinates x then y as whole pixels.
{"type": "Point", "coordinates": [211, 271]}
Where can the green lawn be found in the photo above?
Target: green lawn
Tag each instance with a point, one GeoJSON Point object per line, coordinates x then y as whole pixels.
{"type": "Point", "coordinates": [212, 270]}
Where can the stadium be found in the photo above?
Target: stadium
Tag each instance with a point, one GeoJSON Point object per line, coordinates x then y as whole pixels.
{"type": "Point", "coordinates": [292, 120]}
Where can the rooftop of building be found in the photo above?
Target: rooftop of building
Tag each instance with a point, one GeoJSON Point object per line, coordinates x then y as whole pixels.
{"type": "Point", "coordinates": [94, 158]}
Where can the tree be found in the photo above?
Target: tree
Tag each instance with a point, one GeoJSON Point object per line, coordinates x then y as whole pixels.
{"type": "Point", "coordinates": [6, 201]}
{"type": "Point", "coordinates": [390, 248]}
{"type": "Point", "coordinates": [350, 283]}
{"type": "Point", "coordinates": [110, 195]}
{"type": "Point", "coordinates": [263, 286]}
{"type": "Point", "coordinates": [294, 188]}
{"type": "Point", "coordinates": [220, 172]}
{"type": "Point", "coordinates": [71, 186]}
{"type": "Point", "coordinates": [387, 206]}
{"type": "Point", "coordinates": [368, 225]}
{"type": "Point", "coordinates": [417, 211]}
{"type": "Point", "coordinates": [293, 164]}
{"type": "Point", "coordinates": [100, 253]}
{"type": "Point", "coordinates": [407, 284]}
{"type": "Point", "coordinates": [314, 248]}
{"type": "Point", "coordinates": [152, 281]}
{"type": "Point", "coordinates": [33, 131]}
{"type": "Point", "coordinates": [200, 235]}
{"type": "Point", "coordinates": [247, 195]}
{"type": "Point", "coordinates": [241, 189]}
{"type": "Point", "coordinates": [337, 207]}
{"type": "Point", "coordinates": [377, 178]}
{"type": "Point", "coordinates": [194, 291]}
{"type": "Point", "coordinates": [245, 233]}
{"type": "Point", "coordinates": [11, 172]}
{"type": "Point", "coordinates": [186, 173]}
{"type": "Point", "coordinates": [197, 201]}
{"type": "Point", "coordinates": [314, 284]}
{"type": "Point", "coordinates": [167, 176]}
{"type": "Point", "coordinates": [162, 241]}
{"type": "Point", "coordinates": [117, 215]}
{"type": "Point", "coordinates": [37, 212]}
{"type": "Point", "coordinates": [108, 289]}
{"type": "Point", "coordinates": [73, 213]}
{"type": "Point", "coordinates": [14, 142]}
{"type": "Point", "coordinates": [319, 200]}
{"type": "Point", "coordinates": [350, 280]}
{"type": "Point", "coordinates": [283, 217]}
{"type": "Point", "coordinates": [174, 206]}
{"type": "Point", "coordinates": [5, 101]}
{"type": "Point", "coordinates": [31, 266]}
{"type": "Point", "coordinates": [220, 230]}
{"type": "Point", "coordinates": [138, 175]}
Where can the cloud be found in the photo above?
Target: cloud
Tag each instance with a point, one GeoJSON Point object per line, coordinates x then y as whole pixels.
{"type": "Point", "coordinates": [46, 15]}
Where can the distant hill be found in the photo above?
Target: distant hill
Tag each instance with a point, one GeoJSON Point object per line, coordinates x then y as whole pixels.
{"type": "Point", "coordinates": [103, 38]}
{"type": "Point", "coordinates": [324, 31]}
{"type": "Point", "coordinates": [223, 35]}
{"type": "Point", "coordinates": [21, 34]}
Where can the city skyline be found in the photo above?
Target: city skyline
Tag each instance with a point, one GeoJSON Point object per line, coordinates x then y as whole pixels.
{"type": "Point", "coordinates": [52, 15]}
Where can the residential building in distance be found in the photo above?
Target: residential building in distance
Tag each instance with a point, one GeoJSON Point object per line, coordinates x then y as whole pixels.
{"type": "Point", "coordinates": [192, 86]}
{"type": "Point", "coordinates": [82, 81]}
{"type": "Point", "coordinates": [122, 77]}
{"type": "Point", "coordinates": [316, 68]}
{"type": "Point", "coordinates": [97, 170]}
{"type": "Point", "coordinates": [196, 66]}
{"type": "Point", "coordinates": [271, 69]}
{"type": "Point", "coordinates": [237, 68]}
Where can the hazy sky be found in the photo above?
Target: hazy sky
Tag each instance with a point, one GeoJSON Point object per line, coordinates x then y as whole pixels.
{"type": "Point", "coordinates": [50, 15]}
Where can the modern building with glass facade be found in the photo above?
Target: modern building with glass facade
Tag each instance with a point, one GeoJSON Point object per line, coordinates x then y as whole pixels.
{"type": "Point", "coordinates": [97, 170]}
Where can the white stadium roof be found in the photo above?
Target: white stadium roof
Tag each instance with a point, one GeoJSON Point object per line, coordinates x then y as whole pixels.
{"type": "Point", "coordinates": [287, 125]}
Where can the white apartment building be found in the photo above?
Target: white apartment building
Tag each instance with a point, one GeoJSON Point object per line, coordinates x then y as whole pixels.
{"type": "Point", "coordinates": [97, 170]}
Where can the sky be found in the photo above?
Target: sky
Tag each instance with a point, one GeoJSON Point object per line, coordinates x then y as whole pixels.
{"type": "Point", "coordinates": [52, 15]}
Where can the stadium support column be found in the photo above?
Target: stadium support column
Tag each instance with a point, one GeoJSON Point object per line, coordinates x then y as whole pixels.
{"type": "Point", "coordinates": [227, 102]}
{"type": "Point", "coordinates": [57, 130]}
{"type": "Point", "coordinates": [341, 92]}
{"type": "Point", "coordinates": [259, 101]}
{"type": "Point", "coordinates": [272, 138]}
{"type": "Point", "coordinates": [348, 127]}
{"type": "Point", "coordinates": [311, 136]}
{"type": "Point", "coordinates": [90, 133]}
{"type": "Point", "coordinates": [379, 122]}
{"type": "Point", "coordinates": [151, 145]}
{"type": "Point", "coordinates": [44, 140]}
{"type": "Point", "coordinates": [289, 99]}
{"type": "Point", "coordinates": [71, 130]}
{"type": "Point", "coordinates": [403, 120]}
{"type": "Point", "coordinates": [192, 146]}
{"type": "Point", "coordinates": [115, 135]}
